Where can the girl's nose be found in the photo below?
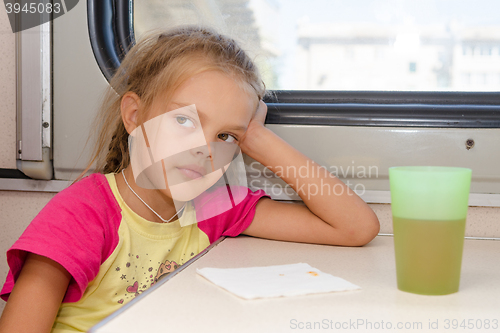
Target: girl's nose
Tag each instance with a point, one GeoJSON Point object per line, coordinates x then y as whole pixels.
{"type": "Point", "coordinates": [201, 151]}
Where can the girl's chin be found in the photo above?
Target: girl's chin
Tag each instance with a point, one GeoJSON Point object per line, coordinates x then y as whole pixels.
{"type": "Point", "coordinates": [186, 191]}
{"type": "Point", "coordinates": [189, 190]}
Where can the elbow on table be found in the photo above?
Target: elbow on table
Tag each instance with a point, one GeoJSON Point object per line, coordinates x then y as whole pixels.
{"type": "Point", "coordinates": [367, 229]}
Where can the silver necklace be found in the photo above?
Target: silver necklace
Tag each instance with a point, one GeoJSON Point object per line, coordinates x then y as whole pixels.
{"type": "Point", "coordinates": [164, 221]}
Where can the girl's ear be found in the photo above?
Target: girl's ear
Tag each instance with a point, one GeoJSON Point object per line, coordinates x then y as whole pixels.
{"type": "Point", "coordinates": [129, 106]}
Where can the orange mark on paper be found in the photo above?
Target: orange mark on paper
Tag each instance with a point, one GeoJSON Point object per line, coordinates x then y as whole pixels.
{"type": "Point", "coordinates": [313, 273]}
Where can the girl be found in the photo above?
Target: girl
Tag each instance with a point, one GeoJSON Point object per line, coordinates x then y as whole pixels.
{"type": "Point", "coordinates": [111, 235]}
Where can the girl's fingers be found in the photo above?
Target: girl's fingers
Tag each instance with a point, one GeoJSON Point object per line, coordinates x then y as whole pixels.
{"type": "Point", "coordinates": [256, 124]}
{"type": "Point", "coordinates": [260, 114]}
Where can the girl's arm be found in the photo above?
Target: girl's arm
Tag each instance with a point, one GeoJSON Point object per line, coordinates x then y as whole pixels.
{"type": "Point", "coordinates": [36, 297]}
{"type": "Point", "coordinates": [333, 213]}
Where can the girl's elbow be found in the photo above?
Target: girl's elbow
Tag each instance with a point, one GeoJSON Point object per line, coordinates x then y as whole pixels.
{"type": "Point", "coordinates": [367, 230]}
{"type": "Point", "coordinates": [371, 228]}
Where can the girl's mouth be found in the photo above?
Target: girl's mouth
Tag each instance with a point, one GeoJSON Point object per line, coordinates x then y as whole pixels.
{"type": "Point", "coordinates": [192, 171]}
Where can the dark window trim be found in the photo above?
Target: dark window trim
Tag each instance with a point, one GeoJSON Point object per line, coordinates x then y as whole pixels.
{"type": "Point", "coordinates": [112, 34]}
{"type": "Point", "coordinates": [393, 109]}
{"type": "Point", "coordinates": [12, 173]}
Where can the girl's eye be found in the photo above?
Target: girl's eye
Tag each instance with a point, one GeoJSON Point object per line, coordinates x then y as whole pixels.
{"type": "Point", "coordinates": [184, 121]}
{"type": "Point", "coordinates": [226, 137]}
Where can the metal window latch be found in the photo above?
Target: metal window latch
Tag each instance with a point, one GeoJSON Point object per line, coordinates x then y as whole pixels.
{"type": "Point", "coordinates": [19, 150]}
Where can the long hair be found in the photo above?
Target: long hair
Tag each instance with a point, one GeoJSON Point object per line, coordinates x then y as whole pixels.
{"type": "Point", "coordinates": [154, 68]}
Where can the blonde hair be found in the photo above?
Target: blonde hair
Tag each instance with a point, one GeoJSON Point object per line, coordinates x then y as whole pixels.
{"type": "Point", "coordinates": [154, 68]}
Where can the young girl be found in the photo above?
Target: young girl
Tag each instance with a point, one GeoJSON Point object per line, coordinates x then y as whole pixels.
{"type": "Point", "coordinates": [110, 236]}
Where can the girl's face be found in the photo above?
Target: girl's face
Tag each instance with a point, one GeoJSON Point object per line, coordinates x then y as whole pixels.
{"type": "Point", "coordinates": [196, 134]}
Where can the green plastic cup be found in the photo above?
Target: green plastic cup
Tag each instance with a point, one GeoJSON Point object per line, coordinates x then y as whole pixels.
{"type": "Point", "coordinates": [429, 208]}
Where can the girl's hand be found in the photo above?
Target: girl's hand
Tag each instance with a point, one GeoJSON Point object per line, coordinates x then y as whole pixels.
{"type": "Point", "coordinates": [256, 125]}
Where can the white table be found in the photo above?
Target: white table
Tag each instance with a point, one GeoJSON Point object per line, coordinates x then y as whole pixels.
{"type": "Point", "coordinates": [188, 302]}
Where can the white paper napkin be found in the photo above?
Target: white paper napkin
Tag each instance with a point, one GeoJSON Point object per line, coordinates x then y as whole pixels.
{"type": "Point", "coordinates": [275, 281]}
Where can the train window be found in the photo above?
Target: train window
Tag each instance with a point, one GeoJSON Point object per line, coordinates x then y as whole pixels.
{"type": "Point", "coordinates": [383, 45]}
{"type": "Point", "coordinates": [360, 62]}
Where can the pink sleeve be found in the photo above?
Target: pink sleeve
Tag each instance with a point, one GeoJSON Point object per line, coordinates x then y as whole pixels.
{"type": "Point", "coordinates": [235, 220]}
{"type": "Point", "coordinates": [77, 229]}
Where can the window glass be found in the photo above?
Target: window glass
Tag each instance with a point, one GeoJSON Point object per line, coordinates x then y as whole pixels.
{"type": "Point", "coordinates": [405, 45]}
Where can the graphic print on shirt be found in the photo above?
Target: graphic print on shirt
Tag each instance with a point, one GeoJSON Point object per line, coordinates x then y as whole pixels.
{"type": "Point", "coordinates": [137, 283]}
{"type": "Point", "coordinates": [165, 268]}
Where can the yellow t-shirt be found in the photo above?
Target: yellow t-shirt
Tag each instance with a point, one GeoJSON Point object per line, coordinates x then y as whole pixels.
{"type": "Point", "coordinates": [113, 254]}
{"type": "Point", "coordinates": [145, 252]}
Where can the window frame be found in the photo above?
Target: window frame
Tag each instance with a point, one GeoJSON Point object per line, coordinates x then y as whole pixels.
{"type": "Point", "coordinates": [111, 30]}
